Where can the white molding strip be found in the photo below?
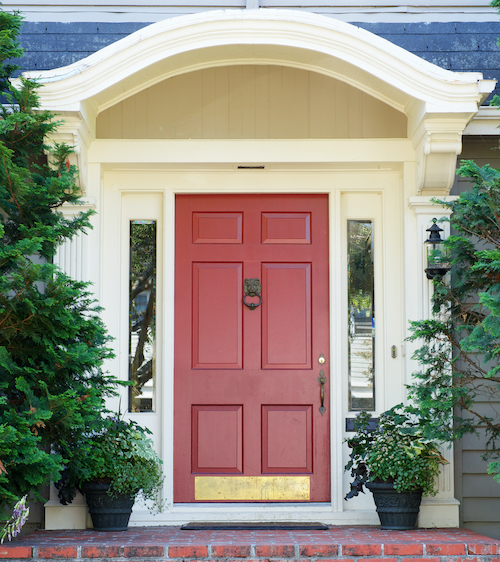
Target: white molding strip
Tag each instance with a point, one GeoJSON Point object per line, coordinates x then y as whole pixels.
{"type": "Point", "coordinates": [347, 10]}
{"type": "Point", "coordinates": [486, 122]}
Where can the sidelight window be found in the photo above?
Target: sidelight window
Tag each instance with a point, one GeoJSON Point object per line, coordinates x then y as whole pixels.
{"type": "Point", "coordinates": [361, 315]}
{"type": "Point", "coordinates": [142, 315]}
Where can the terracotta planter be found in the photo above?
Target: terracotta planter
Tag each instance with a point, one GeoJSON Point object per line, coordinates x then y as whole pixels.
{"type": "Point", "coordinates": [397, 511]}
{"type": "Point", "coordinates": [107, 513]}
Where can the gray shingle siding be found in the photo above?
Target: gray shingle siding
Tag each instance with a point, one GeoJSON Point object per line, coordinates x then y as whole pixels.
{"type": "Point", "coordinates": [49, 45]}
{"type": "Point", "coordinates": [457, 46]}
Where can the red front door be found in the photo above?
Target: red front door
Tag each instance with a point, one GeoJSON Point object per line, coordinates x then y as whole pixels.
{"type": "Point", "coordinates": [247, 395]}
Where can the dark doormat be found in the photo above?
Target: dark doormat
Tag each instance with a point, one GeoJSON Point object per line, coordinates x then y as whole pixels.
{"type": "Point", "coordinates": [259, 526]}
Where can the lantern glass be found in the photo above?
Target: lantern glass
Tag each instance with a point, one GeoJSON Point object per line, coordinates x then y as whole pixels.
{"type": "Point", "coordinates": [438, 259]}
{"type": "Point", "coordinates": [437, 255]}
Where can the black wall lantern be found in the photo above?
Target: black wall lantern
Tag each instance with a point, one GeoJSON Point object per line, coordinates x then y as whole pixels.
{"type": "Point", "coordinates": [438, 262]}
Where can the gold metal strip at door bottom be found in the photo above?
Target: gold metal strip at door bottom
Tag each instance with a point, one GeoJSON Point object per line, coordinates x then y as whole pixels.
{"type": "Point", "coordinates": [252, 488]}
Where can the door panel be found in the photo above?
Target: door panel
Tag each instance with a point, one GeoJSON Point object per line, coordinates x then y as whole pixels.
{"type": "Point", "coordinates": [217, 228]}
{"type": "Point", "coordinates": [247, 398]}
{"type": "Point", "coordinates": [217, 437]}
{"type": "Point", "coordinates": [287, 439]}
{"type": "Point", "coordinates": [217, 327]}
{"type": "Point", "coordinates": [286, 228]}
{"type": "Point", "coordinates": [286, 316]}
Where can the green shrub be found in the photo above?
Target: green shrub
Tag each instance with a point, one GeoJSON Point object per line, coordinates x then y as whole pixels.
{"type": "Point", "coordinates": [396, 451]}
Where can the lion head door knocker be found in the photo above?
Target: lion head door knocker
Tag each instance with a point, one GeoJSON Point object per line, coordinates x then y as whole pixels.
{"type": "Point", "coordinates": [252, 288]}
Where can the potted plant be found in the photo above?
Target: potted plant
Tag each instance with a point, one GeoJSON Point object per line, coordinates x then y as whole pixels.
{"type": "Point", "coordinates": [396, 463]}
{"type": "Point", "coordinates": [117, 464]}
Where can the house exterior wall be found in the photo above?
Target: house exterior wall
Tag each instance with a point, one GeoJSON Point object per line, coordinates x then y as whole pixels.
{"type": "Point", "coordinates": [478, 494]}
{"type": "Point", "coordinates": [458, 36]}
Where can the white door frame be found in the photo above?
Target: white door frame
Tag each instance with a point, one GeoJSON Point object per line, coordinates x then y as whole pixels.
{"type": "Point", "coordinates": [120, 191]}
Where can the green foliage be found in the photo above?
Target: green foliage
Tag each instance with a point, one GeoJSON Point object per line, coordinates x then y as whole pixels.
{"type": "Point", "coordinates": [52, 342]}
{"type": "Point", "coordinates": [397, 451]}
{"type": "Point", "coordinates": [23, 464]}
{"type": "Point", "coordinates": [460, 347]}
{"type": "Point", "coordinates": [10, 25]}
{"type": "Point", "coordinates": [112, 450]}
{"type": "Point", "coordinates": [494, 468]}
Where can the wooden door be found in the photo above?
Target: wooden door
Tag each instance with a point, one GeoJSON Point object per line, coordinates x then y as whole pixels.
{"type": "Point", "coordinates": [247, 420]}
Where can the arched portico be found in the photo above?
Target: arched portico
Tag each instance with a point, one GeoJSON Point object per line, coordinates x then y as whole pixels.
{"type": "Point", "coordinates": [437, 102]}
{"type": "Point", "coordinates": [383, 179]}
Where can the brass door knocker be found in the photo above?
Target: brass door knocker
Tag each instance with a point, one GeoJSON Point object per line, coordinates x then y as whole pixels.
{"type": "Point", "coordinates": [252, 288]}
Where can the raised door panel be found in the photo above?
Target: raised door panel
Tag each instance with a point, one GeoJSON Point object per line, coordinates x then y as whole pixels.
{"type": "Point", "coordinates": [217, 316]}
{"type": "Point", "coordinates": [217, 439]}
{"type": "Point", "coordinates": [286, 316]}
{"type": "Point", "coordinates": [217, 228]}
{"type": "Point", "coordinates": [287, 444]}
{"type": "Point", "coordinates": [286, 228]}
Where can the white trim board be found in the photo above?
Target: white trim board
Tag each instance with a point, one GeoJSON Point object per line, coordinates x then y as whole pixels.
{"type": "Point", "coordinates": [348, 10]}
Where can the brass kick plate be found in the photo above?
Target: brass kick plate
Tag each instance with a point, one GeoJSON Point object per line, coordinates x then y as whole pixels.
{"type": "Point", "coordinates": [252, 488]}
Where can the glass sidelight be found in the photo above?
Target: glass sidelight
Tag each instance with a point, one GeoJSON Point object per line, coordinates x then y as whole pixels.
{"type": "Point", "coordinates": [142, 315]}
{"type": "Point", "coordinates": [361, 310]}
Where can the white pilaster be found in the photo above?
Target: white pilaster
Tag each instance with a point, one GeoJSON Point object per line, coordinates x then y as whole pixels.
{"type": "Point", "coordinates": [442, 509]}
{"type": "Point", "coordinates": [71, 257]}
{"type": "Point", "coordinates": [71, 516]}
{"type": "Point", "coordinates": [72, 254]}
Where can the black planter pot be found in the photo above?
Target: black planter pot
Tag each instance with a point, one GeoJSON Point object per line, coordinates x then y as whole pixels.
{"type": "Point", "coordinates": [107, 513]}
{"type": "Point", "coordinates": [397, 511]}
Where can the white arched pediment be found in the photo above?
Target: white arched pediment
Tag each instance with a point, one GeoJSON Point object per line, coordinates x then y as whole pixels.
{"type": "Point", "coordinates": [438, 103]}
{"type": "Point", "coordinates": [282, 37]}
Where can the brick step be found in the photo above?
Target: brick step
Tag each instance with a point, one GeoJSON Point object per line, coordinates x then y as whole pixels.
{"type": "Point", "coordinates": [345, 544]}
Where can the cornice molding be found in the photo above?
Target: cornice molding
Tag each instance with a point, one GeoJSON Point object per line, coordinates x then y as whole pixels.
{"type": "Point", "coordinates": [425, 205]}
{"type": "Point", "coordinates": [485, 122]}
{"type": "Point", "coordinates": [86, 204]}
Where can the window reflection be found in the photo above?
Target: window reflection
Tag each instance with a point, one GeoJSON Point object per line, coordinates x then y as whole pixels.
{"type": "Point", "coordinates": [142, 315]}
{"type": "Point", "coordinates": [361, 322]}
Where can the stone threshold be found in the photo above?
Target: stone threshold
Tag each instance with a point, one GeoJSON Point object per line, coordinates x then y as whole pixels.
{"type": "Point", "coordinates": [343, 544]}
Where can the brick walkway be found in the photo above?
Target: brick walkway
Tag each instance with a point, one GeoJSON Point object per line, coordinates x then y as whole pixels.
{"type": "Point", "coordinates": [345, 544]}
